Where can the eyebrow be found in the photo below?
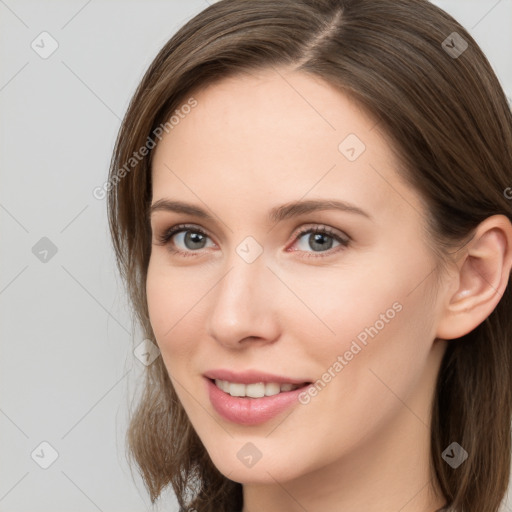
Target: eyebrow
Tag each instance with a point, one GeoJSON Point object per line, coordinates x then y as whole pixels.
{"type": "Point", "coordinates": [276, 214]}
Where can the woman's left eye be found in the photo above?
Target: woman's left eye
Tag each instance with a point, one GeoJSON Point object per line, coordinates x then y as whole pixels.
{"type": "Point", "coordinates": [319, 239]}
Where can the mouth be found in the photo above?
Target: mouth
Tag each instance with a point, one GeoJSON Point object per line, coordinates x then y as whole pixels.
{"type": "Point", "coordinates": [254, 401]}
{"type": "Point", "coordinates": [256, 389]}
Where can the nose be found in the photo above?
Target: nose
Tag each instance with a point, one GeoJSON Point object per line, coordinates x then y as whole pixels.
{"type": "Point", "coordinates": [244, 303]}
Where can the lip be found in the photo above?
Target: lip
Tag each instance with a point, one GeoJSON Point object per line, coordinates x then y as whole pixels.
{"type": "Point", "coordinates": [250, 377]}
{"type": "Point", "coordinates": [251, 411]}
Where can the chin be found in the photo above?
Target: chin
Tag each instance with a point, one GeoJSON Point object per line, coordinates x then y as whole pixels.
{"type": "Point", "coordinates": [261, 472]}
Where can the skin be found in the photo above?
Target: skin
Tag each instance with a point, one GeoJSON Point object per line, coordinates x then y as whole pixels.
{"type": "Point", "coordinates": [264, 139]}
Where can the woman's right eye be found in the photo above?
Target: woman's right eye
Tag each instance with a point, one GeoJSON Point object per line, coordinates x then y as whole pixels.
{"type": "Point", "coordinates": [187, 239]}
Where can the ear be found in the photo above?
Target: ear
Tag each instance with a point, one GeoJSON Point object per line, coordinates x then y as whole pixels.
{"type": "Point", "coordinates": [482, 276]}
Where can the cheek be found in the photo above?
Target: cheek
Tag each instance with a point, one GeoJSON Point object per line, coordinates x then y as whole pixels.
{"type": "Point", "coordinates": [377, 312]}
{"type": "Point", "coordinates": [173, 303]}
{"type": "Point", "coordinates": [383, 325]}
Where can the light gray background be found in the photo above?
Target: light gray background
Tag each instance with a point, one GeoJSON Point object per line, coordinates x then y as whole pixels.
{"type": "Point", "coordinates": [66, 368]}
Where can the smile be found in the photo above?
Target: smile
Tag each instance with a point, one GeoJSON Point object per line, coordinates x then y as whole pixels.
{"type": "Point", "coordinates": [255, 390]}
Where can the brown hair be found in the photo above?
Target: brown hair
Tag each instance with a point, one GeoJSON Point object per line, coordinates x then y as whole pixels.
{"type": "Point", "coordinates": [451, 125]}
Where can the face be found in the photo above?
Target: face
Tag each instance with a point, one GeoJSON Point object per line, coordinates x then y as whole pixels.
{"type": "Point", "coordinates": [336, 298]}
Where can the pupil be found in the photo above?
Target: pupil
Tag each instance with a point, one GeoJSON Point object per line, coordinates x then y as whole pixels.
{"type": "Point", "coordinates": [316, 238]}
{"type": "Point", "coordinates": [194, 238]}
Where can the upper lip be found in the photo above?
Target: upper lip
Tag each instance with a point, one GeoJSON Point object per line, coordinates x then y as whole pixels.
{"type": "Point", "coordinates": [251, 377]}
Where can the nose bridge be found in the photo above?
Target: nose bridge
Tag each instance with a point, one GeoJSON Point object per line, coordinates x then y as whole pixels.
{"type": "Point", "coordinates": [242, 304]}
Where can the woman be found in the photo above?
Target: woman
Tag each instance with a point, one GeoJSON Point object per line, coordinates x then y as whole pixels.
{"type": "Point", "coordinates": [308, 201]}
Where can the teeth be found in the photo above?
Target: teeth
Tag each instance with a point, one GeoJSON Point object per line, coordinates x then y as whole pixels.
{"type": "Point", "coordinates": [256, 390]}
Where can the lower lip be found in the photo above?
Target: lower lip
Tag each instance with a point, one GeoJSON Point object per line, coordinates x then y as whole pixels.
{"type": "Point", "coordinates": [251, 411]}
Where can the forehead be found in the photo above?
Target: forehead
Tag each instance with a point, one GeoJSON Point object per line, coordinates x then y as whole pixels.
{"type": "Point", "coordinates": [276, 104]}
{"type": "Point", "coordinates": [278, 134]}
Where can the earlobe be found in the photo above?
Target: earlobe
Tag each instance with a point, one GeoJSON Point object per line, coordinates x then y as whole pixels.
{"type": "Point", "coordinates": [482, 277]}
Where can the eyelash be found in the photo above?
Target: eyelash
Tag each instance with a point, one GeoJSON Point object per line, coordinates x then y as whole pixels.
{"type": "Point", "coordinates": [166, 236]}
